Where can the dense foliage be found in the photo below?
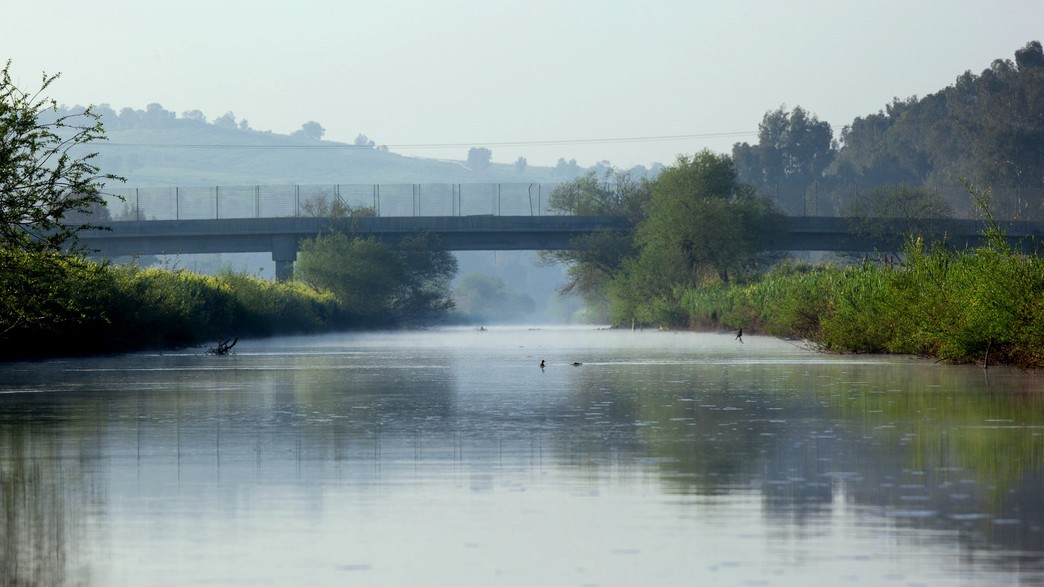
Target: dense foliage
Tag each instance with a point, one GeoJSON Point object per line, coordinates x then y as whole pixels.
{"type": "Point", "coordinates": [793, 150]}
{"type": "Point", "coordinates": [982, 305]}
{"type": "Point", "coordinates": [596, 258]}
{"type": "Point", "coordinates": [380, 284]}
{"type": "Point", "coordinates": [988, 128]}
{"type": "Point", "coordinates": [695, 222]}
{"type": "Point", "coordinates": [54, 305]}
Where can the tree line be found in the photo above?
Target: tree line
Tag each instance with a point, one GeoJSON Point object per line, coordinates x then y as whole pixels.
{"type": "Point", "coordinates": [986, 128]}
{"type": "Point", "coordinates": [154, 116]}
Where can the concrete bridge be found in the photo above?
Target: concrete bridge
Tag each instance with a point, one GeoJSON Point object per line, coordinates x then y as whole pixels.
{"type": "Point", "coordinates": [281, 236]}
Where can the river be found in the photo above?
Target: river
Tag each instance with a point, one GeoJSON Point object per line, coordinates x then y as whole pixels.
{"type": "Point", "coordinates": [449, 457]}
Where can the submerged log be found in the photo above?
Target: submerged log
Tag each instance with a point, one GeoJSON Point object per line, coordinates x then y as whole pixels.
{"type": "Point", "coordinates": [223, 347]}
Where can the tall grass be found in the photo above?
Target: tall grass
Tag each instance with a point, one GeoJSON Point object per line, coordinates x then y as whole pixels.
{"type": "Point", "coordinates": [982, 305]}
{"type": "Point", "coordinates": [56, 306]}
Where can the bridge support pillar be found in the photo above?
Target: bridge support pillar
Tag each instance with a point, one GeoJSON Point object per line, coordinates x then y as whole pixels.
{"type": "Point", "coordinates": [284, 253]}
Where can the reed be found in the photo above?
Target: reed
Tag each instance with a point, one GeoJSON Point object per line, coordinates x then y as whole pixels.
{"type": "Point", "coordinates": [56, 306]}
{"type": "Point", "coordinates": [977, 306]}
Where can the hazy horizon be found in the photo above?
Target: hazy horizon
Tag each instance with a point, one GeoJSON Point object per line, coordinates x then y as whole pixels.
{"type": "Point", "coordinates": [588, 81]}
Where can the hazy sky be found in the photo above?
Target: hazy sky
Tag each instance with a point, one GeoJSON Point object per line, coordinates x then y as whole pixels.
{"type": "Point", "coordinates": [544, 79]}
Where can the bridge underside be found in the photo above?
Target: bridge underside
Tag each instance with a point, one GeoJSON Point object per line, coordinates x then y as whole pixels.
{"type": "Point", "coordinates": [281, 236]}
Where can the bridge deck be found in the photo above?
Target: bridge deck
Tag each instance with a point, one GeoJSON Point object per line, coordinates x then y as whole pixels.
{"type": "Point", "coordinates": [281, 236]}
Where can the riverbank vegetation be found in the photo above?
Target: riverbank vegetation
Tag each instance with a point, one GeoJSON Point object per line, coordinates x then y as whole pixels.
{"type": "Point", "coordinates": [62, 305]}
{"type": "Point", "coordinates": [974, 305]}
{"type": "Point", "coordinates": [978, 305]}
{"type": "Point", "coordinates": [54, 304]}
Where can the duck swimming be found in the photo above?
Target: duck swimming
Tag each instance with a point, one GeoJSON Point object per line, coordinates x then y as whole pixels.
{"type": "Point", "coordinates": [542, 364]}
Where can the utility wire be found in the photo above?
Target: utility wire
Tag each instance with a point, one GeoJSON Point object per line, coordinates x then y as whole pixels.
{"type": "Point", "coordinates": [543, 143]}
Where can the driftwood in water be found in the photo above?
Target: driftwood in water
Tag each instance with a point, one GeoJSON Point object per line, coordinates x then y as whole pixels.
{"type": "Point", "coordinates": [223, 348]}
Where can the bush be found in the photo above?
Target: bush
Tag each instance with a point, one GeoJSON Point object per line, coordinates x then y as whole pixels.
{"type": "Point", "coordinates": [54, 305]}
{"type": "Point", "coordinates": [980, 305]}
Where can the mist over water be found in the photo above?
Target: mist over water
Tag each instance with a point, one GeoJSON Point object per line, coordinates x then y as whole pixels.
{"type": "Point", "coordinates": [449, 457]}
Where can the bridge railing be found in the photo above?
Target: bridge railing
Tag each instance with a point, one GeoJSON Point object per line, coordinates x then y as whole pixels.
{"type": "Point", "coordinates": [265, 201]}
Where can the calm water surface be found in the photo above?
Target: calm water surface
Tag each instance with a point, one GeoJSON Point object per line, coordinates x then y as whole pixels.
{"type": "Point", "coordinates": [451, 458]}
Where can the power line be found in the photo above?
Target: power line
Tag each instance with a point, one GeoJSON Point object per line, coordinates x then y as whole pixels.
{"type": "Point", "coordinates": [402, 146]}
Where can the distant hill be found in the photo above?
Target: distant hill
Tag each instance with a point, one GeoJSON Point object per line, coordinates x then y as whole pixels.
{"type": "Point", "coordinates": [156, 148]}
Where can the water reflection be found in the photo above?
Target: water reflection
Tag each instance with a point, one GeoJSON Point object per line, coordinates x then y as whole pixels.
{"type": "Point", "coordinates": [395, 455]}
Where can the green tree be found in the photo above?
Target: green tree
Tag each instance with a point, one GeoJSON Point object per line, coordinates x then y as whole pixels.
{"type": "Point", "coordinates": [45, 179]}
{"type": "Point", "coordinates": [701, 224]}
{"type": "Point", "coordinates": [1008, 119]}
{"type": "Point", "coordinates": [595, 259]}
{"type": "Point", "coordinates": [428, 271]}
{"type": "Point", "coordinates": [793, 150]}
{"type": "Point", "coordinates": [378, 283]}
{"type": "Point", "coordinates": [362, 273]}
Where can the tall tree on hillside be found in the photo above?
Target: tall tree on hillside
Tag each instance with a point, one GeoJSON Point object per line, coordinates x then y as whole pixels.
{"type": "Point", "coordinates": [194, 115]}
{"type": "Point", "coordinates": [157, 116]}
{"type": "Point", "coordinates": [988, 128]}
{"type": "Point", "coordinates": [226, 120]}
{"type": "Point", "coordinates": [567, 169]}
{"type": "Point", "coordinates": [1032, 55]}
{"type": "Point", "coordinates": [479, 158]}
{"type": "Point", "coordinates": [793, 150]}
{"type": "Point", "coordinates": [1010, 114]}
{"type": "Point", "coordinates": [310, 130]}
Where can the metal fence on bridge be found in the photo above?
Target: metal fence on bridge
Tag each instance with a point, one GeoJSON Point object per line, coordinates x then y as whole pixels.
{"type": "Point", "coordinates": [262, 201]}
